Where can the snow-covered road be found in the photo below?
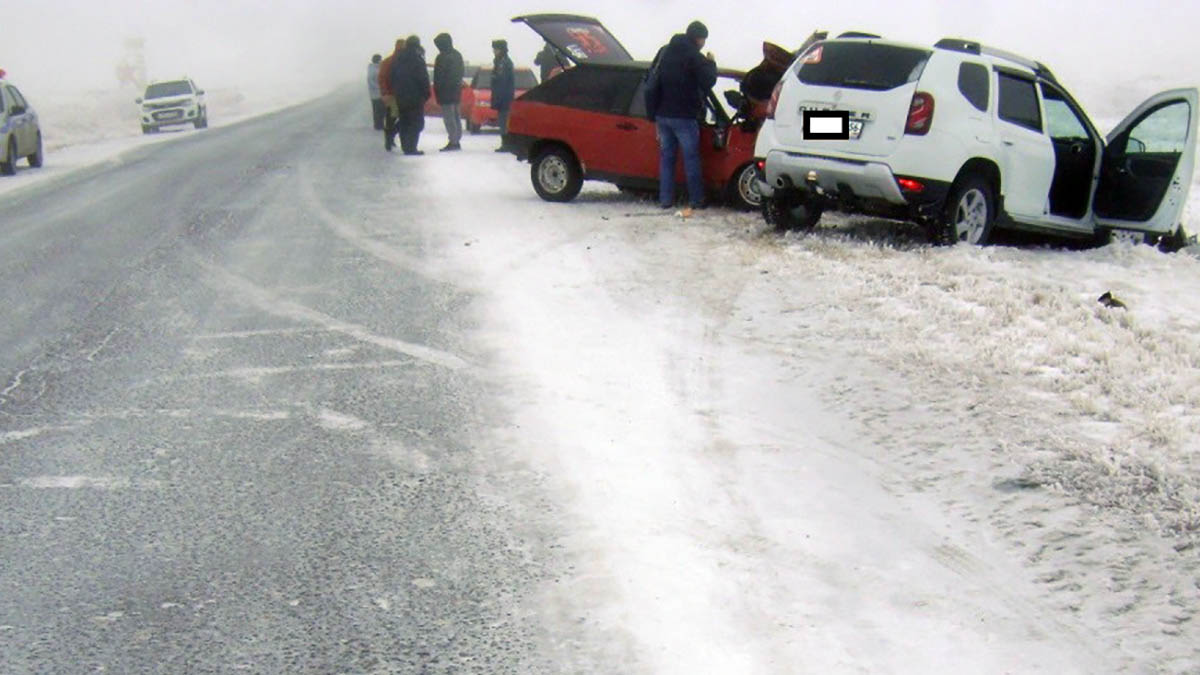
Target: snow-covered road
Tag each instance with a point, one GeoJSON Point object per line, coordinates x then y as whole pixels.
{"type": "Point", "coordinates": [840, 452]}
{"type": "Point", "coordinates": [826, 454]}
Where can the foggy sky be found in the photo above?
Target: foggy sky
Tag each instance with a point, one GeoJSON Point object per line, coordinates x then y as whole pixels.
{"type": "Point", "coordinates": [53, 45]}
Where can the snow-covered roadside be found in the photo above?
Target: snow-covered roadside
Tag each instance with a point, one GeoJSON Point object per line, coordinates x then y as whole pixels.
{"type": "Point", "coordinates": [82, 129]}
{"type": "Point", "coordinates": [826, 454]}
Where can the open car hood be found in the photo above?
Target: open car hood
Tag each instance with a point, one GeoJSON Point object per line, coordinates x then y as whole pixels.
{"type": "Point", "coordinates": [577, 38]}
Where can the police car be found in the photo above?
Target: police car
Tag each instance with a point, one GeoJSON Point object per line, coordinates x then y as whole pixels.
{"type": "Point", "coordinates": [20, 134]}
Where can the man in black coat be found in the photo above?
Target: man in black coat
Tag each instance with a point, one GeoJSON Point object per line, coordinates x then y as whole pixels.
{"type": "Point", "coordinates": [503, 88]}
{"type": "Point", "coordinates": [410, 86]}
{"type": "Point", "coordinates": [679, 81]}
{"type": "Point", "coordinates": [548, 61]}
{"type": "Point", "coordinates": [447, 87]}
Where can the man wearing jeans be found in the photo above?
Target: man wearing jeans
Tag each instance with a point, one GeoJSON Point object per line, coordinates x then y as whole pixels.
{"type": "Point", "coordinates": [447, 87]}
{"type": "Point", "coordinates": [679, 79]}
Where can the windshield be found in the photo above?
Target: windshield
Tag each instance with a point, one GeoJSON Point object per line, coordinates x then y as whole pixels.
{"type": "Point", "coordinates": [862, 65]}
{"type": "Point", "coordinates": [164, 89]}
{"type": "Point", "coordinates": [523, 78]}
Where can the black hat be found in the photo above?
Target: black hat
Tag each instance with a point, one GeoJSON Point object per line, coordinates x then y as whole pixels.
{"type": "Point", "coordinates": [697, 30]}
{"type": "Point", "coordinates": [500, 44]}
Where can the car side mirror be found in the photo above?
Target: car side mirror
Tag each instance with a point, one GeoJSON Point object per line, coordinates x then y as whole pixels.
{"type": "Point", "coordinates": [17, 110]}
{"type": "Point", "coordinates": [138, 100]}
{"type": "Point", "coordinates": [200, 93]}
{"type": "Point", "coordinates": [735, 99]}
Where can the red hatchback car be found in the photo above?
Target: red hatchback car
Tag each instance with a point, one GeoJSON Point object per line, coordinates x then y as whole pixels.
{"type": "Point", "coordinates": [477, 98]}
{"type": "Point", "coordinates": [590, 123]}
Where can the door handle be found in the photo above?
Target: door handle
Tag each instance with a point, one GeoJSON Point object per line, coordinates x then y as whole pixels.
{"type": "Point", "coordinates": [627, 126]}
{"type": "Point", "coordinates": [1008, 143]}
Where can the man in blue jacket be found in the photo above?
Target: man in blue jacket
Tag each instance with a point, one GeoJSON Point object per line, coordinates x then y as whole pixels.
{"type": "Point", "coordinates": [503, 88]}
{"type": "Point", "coordinates": [679, 81]}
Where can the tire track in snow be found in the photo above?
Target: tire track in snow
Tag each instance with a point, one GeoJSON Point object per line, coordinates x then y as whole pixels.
{"type": "Point", "coordinates": [265, 300]}
{"type": "Point", "coordinates": [361, 240]}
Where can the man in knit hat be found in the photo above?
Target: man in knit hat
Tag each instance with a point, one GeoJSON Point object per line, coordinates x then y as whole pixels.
{"type": "Point", "coordinates": [679, 80]}
{"type": "Point", "coordinates": [503, 88]}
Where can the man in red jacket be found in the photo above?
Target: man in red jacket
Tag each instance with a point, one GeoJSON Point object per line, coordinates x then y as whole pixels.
{"type": "Point", "coordinates": [388, 96]}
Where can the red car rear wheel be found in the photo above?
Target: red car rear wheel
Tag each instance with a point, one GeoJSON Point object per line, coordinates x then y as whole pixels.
{"type": "Point", "coordinates": [556, 174]}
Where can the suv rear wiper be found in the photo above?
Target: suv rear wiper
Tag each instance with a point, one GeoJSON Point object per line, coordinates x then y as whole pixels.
{"type": "Point", "coordinates": [868, 84]}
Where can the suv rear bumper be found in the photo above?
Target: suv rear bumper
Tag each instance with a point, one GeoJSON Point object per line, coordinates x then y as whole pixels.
{"type": "Point", "coordinates": [851, 185]}
{"type": "Point", "coordinates": [864, 180]}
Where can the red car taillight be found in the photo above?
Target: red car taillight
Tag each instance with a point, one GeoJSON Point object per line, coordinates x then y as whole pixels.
{"type": "Point", "coordinates": [774, 101]}
{"type": "Point", "coordinates": [920, 114]}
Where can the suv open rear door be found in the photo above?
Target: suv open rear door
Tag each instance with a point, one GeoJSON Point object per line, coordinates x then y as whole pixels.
{"type": "Point", "coordinates": [1148, 163]}
{"type": "Point", "coordinates": [579, 38]}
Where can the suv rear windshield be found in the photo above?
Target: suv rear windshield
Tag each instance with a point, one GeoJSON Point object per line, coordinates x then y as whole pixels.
{"type": "Point", "coordinates": [164, 89]}
{"type": "Point", "coordinates": [863, 65]}
{"type": "Point", "coordinates": [522, 79]}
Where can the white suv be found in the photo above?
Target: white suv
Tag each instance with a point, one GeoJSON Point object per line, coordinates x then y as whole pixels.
{"type": "Point", "coordinates": [960, 137]}
{"type": "Point", "coordinates": [172, 102]}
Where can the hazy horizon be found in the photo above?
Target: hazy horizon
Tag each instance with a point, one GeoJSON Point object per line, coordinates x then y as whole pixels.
{"type": "Point", "coordinates": [75, 44]}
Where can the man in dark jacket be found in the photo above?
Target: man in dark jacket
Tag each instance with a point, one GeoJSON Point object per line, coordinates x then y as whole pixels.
{"type": "Point", "coordinates": [410, 86]}
{"type": "Point", "coordinates": [679, 80]}
{"type": "Point", "coordinates": [548, 61]}
{"type": "Point", "coordinates": [447, 86]}
{"type": "Point", "coordinates": [503, 88]}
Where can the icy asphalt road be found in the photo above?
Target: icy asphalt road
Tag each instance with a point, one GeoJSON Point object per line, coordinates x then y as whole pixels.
{"type": "Point", "coordinates": [229, 440]}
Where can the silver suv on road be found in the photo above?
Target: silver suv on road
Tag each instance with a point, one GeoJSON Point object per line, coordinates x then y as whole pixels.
{"type": "Point", "coordinates": [173, 102]}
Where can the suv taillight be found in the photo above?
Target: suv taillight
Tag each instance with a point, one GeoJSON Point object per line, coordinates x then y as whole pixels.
{"type": "Point", "coordinates": [774, 101]}
{"type": "Point", "coordinates": [920, 114]}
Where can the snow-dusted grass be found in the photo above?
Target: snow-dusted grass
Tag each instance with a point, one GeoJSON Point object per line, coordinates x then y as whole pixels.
{"type": "Point", "coordinates": [1116, 392]}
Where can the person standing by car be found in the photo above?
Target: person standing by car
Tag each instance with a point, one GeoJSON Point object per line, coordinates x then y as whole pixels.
{"type": "Point", "coordinates": [547, 60]}
{"type": "Point", "coordinates": [410, 86]}
{"type": "Point", "coordinates": [447, 86]}
{"type": "Point", "coordinates": [387, 96]}
{"type": "Point", "coordinates": [503, 88]}
{"type": "Point", "coordinates": [376, 96]}
{"type": "Point", "coordinates": [675, 91]}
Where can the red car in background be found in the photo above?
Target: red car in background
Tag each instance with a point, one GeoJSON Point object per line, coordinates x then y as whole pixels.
{"type": "Point", "coordinates": [590, 122]}
{"type": "Point", "coordinates": [432, 109]}
{"type": "Point", "coordinates": [477, 101]}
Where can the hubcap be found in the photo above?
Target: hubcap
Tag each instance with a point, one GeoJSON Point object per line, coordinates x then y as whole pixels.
{"type": "Point", "coordinates": [748, 186]}
{"type": "Point", "coordinates": [970, 217]}
{"type": "Point", "coordinates": [552, 173]}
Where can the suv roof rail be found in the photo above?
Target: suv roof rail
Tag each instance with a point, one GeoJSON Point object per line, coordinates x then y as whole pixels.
{"type": "Point", "coordinates": [859, 34]}
{"type": "Point", "coordinates": [959, 45]}
{"type": "Point", "coordinates": [972, 47]}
